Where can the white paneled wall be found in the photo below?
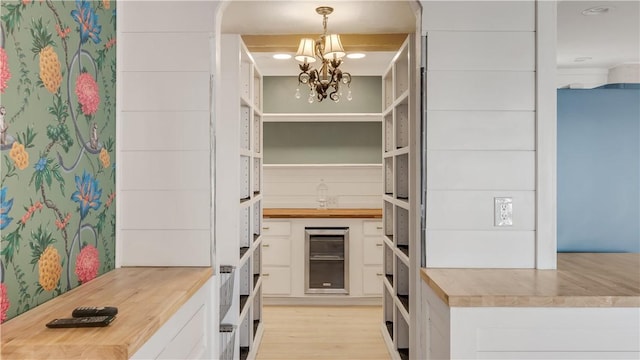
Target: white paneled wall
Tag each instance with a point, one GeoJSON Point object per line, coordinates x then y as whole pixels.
{"type": "Point", "coordinates": [356, 186]}
{"type": "Point", "coordinates": [481, 102]}
{"type": "Point", "coordinates": [164, 133]}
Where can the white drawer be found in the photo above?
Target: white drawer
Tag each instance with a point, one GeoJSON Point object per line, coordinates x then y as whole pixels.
{"type": "Point", "coordinates": [276, 280]}
{"type": "Point", "coordinates": [276, 251]}
{"type": "Point", "coordinates": [372, 280]}
{"type": "Point", "coordinates": [276, 228]}
{"type": "Point", "coordinates": [372, 227]}
{"type": "Point", "coordinates": [372, 247]}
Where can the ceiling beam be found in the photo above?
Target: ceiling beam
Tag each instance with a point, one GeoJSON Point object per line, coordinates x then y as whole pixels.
{"type": "Point", "coordinates": [351, 42]}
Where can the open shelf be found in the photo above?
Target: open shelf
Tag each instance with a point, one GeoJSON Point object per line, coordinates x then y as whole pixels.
{"type": "Point", "coordinates": [227, 341]}
{"type": "Point", "coordinates": [388, 264]}
{"type": "Point", "coordinates": [388, 307]}
{"type": "Point", "coordinates": [399, 196]}
{"type": "Point", "coordinates": [402, 176]}
{"type": "Point", "coordinates": [401, 113]}
{"type": "Point", "coordinates": [388, 176]}
{"type": "Point", "coordinates": [402, 284]}
{"type": "Point", "coordinates": [388, 133]}
{"type": "Point", "coordinates": [243, 302]}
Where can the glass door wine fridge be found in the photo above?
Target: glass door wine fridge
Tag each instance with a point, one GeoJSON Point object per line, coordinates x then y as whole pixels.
{"type": "Point", "coordinates": [326, 260]}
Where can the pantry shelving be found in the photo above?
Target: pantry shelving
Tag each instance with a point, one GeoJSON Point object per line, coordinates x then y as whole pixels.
{"type": "Point", "coordinates": [399, 201]}
{"type": "Point", "coordinates": [239, 126]}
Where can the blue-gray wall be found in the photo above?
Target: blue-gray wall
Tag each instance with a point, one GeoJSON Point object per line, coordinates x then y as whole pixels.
{"type": "Point", "coordinates": [322, 142]}
{"type": "Point", "coordinates": [599, 170]}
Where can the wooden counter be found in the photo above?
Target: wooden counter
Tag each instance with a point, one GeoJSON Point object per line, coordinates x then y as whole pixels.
{"type": "Point", "coordinates": [306, 213]}
{"type": "Point", "coordinates": [581, 280]}
{"type": "Point", "coordinates": [146, 298]}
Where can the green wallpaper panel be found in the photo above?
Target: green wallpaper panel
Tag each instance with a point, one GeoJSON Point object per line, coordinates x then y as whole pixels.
{"type": "Point", "coordinates": [279, 96]}
{"type": "Point", "coordinates": [57, 143]}
{"type": "Point", "coordinates": [323, 143]}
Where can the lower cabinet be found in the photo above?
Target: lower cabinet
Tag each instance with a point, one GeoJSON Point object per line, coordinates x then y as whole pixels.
{"type": "Point", "coordinates": [276, 280]}
{"type": "Point", "coordinates": [372, 280]}
{"type": "Point", "coordinates": [283, 256]}
{"type": "Point", "coordinates": [186, 334]}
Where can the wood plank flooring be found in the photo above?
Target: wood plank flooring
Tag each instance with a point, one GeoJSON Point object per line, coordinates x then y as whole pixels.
{"type": "Point", "coordinates": [322, 332]}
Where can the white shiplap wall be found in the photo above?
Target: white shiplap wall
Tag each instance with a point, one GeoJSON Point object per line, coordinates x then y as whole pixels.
{"type": "Point", "coordinates": [481, 104]}
{"type": "Point", "coordinates": [349, 186]}
{"type": "Point", "coordinates": [164, 187]}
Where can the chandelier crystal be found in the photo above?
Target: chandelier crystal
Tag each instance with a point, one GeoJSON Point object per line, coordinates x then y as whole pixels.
{"type": "Point", "coordinates": [325, 81]}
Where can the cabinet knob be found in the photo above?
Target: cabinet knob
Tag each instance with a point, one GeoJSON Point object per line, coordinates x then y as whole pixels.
{"type": "Point", "coordinates": [265, 245]}
{"type": "Point", "coordinates": [265, 274]}
{"type": "Point", "coordinates": [265, 228]}
{"type": "Point", "coordinates": [378, 274]}
{"type": "Point", "coordinates": [379, 244]}
{"type": "Point", "coordinates": [379, 227]}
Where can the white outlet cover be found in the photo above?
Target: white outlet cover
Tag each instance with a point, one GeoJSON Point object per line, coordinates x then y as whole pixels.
{"type": "Point", "coordinates": [503, 211]}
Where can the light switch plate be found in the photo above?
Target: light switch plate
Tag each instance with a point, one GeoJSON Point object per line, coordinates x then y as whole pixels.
{"type": "Point", "coordinates": [503, 211]}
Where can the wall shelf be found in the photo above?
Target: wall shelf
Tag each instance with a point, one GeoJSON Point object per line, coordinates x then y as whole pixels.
{"type": "Point", "coordinates": [240, 127]}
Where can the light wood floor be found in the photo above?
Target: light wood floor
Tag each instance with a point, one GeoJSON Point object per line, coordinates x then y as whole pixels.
{"type": "Point", "coordinates": [322, 332]}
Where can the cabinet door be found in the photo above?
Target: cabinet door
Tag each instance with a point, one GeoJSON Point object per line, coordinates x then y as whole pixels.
{"type": "Point", "coordinates": [276, 251]}
{"type": "Point", "coordinates": [276, 280]}
{"type": "Point", "coordinates": [372, 228]}
{"type": "Point", "coordinates": [372, 250]}
{"type": "Point", "coordinates": [372, 280]}
{"type": "Point", "coordinates": [280, 228]}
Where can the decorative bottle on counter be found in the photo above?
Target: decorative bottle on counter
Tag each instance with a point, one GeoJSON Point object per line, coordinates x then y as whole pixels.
{"type": "Point", "coordinates": [322, 191]}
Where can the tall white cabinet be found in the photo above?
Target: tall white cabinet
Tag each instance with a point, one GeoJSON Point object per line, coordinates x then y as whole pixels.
{"type": "Point", "coordinates": [400, 201]}
{"type": "Point", "coordinates": [238, 183]}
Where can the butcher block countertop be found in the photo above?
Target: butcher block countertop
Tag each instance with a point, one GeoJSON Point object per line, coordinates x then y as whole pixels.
{"type": "Point", "coordinates": [581, 280]}
{"type": "Point", "coordinates": [145, 297]}
{"type": "Point", "coordinates": [306, 213]}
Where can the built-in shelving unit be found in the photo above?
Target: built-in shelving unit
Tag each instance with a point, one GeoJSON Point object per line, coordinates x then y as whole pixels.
{"type": "Point", "coordinates": [239, 196]}
{"type": "Point", "coordinates": [398, 202]}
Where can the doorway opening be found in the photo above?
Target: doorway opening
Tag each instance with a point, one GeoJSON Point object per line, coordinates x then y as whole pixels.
{"type": "Point", "coordinates": [264, 28]}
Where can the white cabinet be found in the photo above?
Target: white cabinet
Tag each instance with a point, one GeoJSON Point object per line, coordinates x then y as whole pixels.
{"type": "Point", "coordinates": [276, 251]}
{"type": "Point", "coordinates": [372, 280]}
{"type": "Point", "coordinates": [284, 266]}
{"type": "Point", "coordinates": [184, 335]}
{"type": "Point", "coordinates": [372, 243]}
{"type": "Point", "coordinates": [276, 257]}
{"type": "Point", "coordinates": [372, 253]}
{"type": "Point", "coordinates": [276, 280]}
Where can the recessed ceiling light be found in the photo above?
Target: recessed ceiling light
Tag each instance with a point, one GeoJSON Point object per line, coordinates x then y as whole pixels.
{"type": "Point", "coordinates": [282, 56]}
{"type": "Point", "coordinates": [356, 55]}
{"type": "Point", "coordinates": [582, 59]}
{"type": "Point", "coordinates": [598, 10]}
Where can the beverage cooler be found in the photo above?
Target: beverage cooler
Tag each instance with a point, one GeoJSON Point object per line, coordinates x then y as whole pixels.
{"type": "Point", "coordinates": [327, 260]}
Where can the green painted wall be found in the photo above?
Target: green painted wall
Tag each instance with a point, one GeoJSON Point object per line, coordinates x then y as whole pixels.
{"type": "Point", "coordinates": [323, 143]}
{"type": "Point", "coordinates": [57, 143]}
{"type": "Point", "coordinates": [279, 96]}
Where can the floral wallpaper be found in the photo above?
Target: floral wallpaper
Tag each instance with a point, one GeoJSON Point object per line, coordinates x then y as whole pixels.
{"type": "Point", "coordinates": [57, 148]}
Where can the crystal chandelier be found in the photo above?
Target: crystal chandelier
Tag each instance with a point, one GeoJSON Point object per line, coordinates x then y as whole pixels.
{"type": "Point", "coordinates": [326, 80]}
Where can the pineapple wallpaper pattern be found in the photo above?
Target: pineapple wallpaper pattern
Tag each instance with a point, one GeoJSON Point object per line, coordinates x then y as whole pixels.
{"type": "Point", "coordinates": [57, 148]}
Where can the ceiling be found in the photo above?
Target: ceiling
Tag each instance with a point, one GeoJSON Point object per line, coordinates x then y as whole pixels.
{"type": "Point", "coordinates": [605, 41]}
{"type": "Point", "coordinates": [608, 40]}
